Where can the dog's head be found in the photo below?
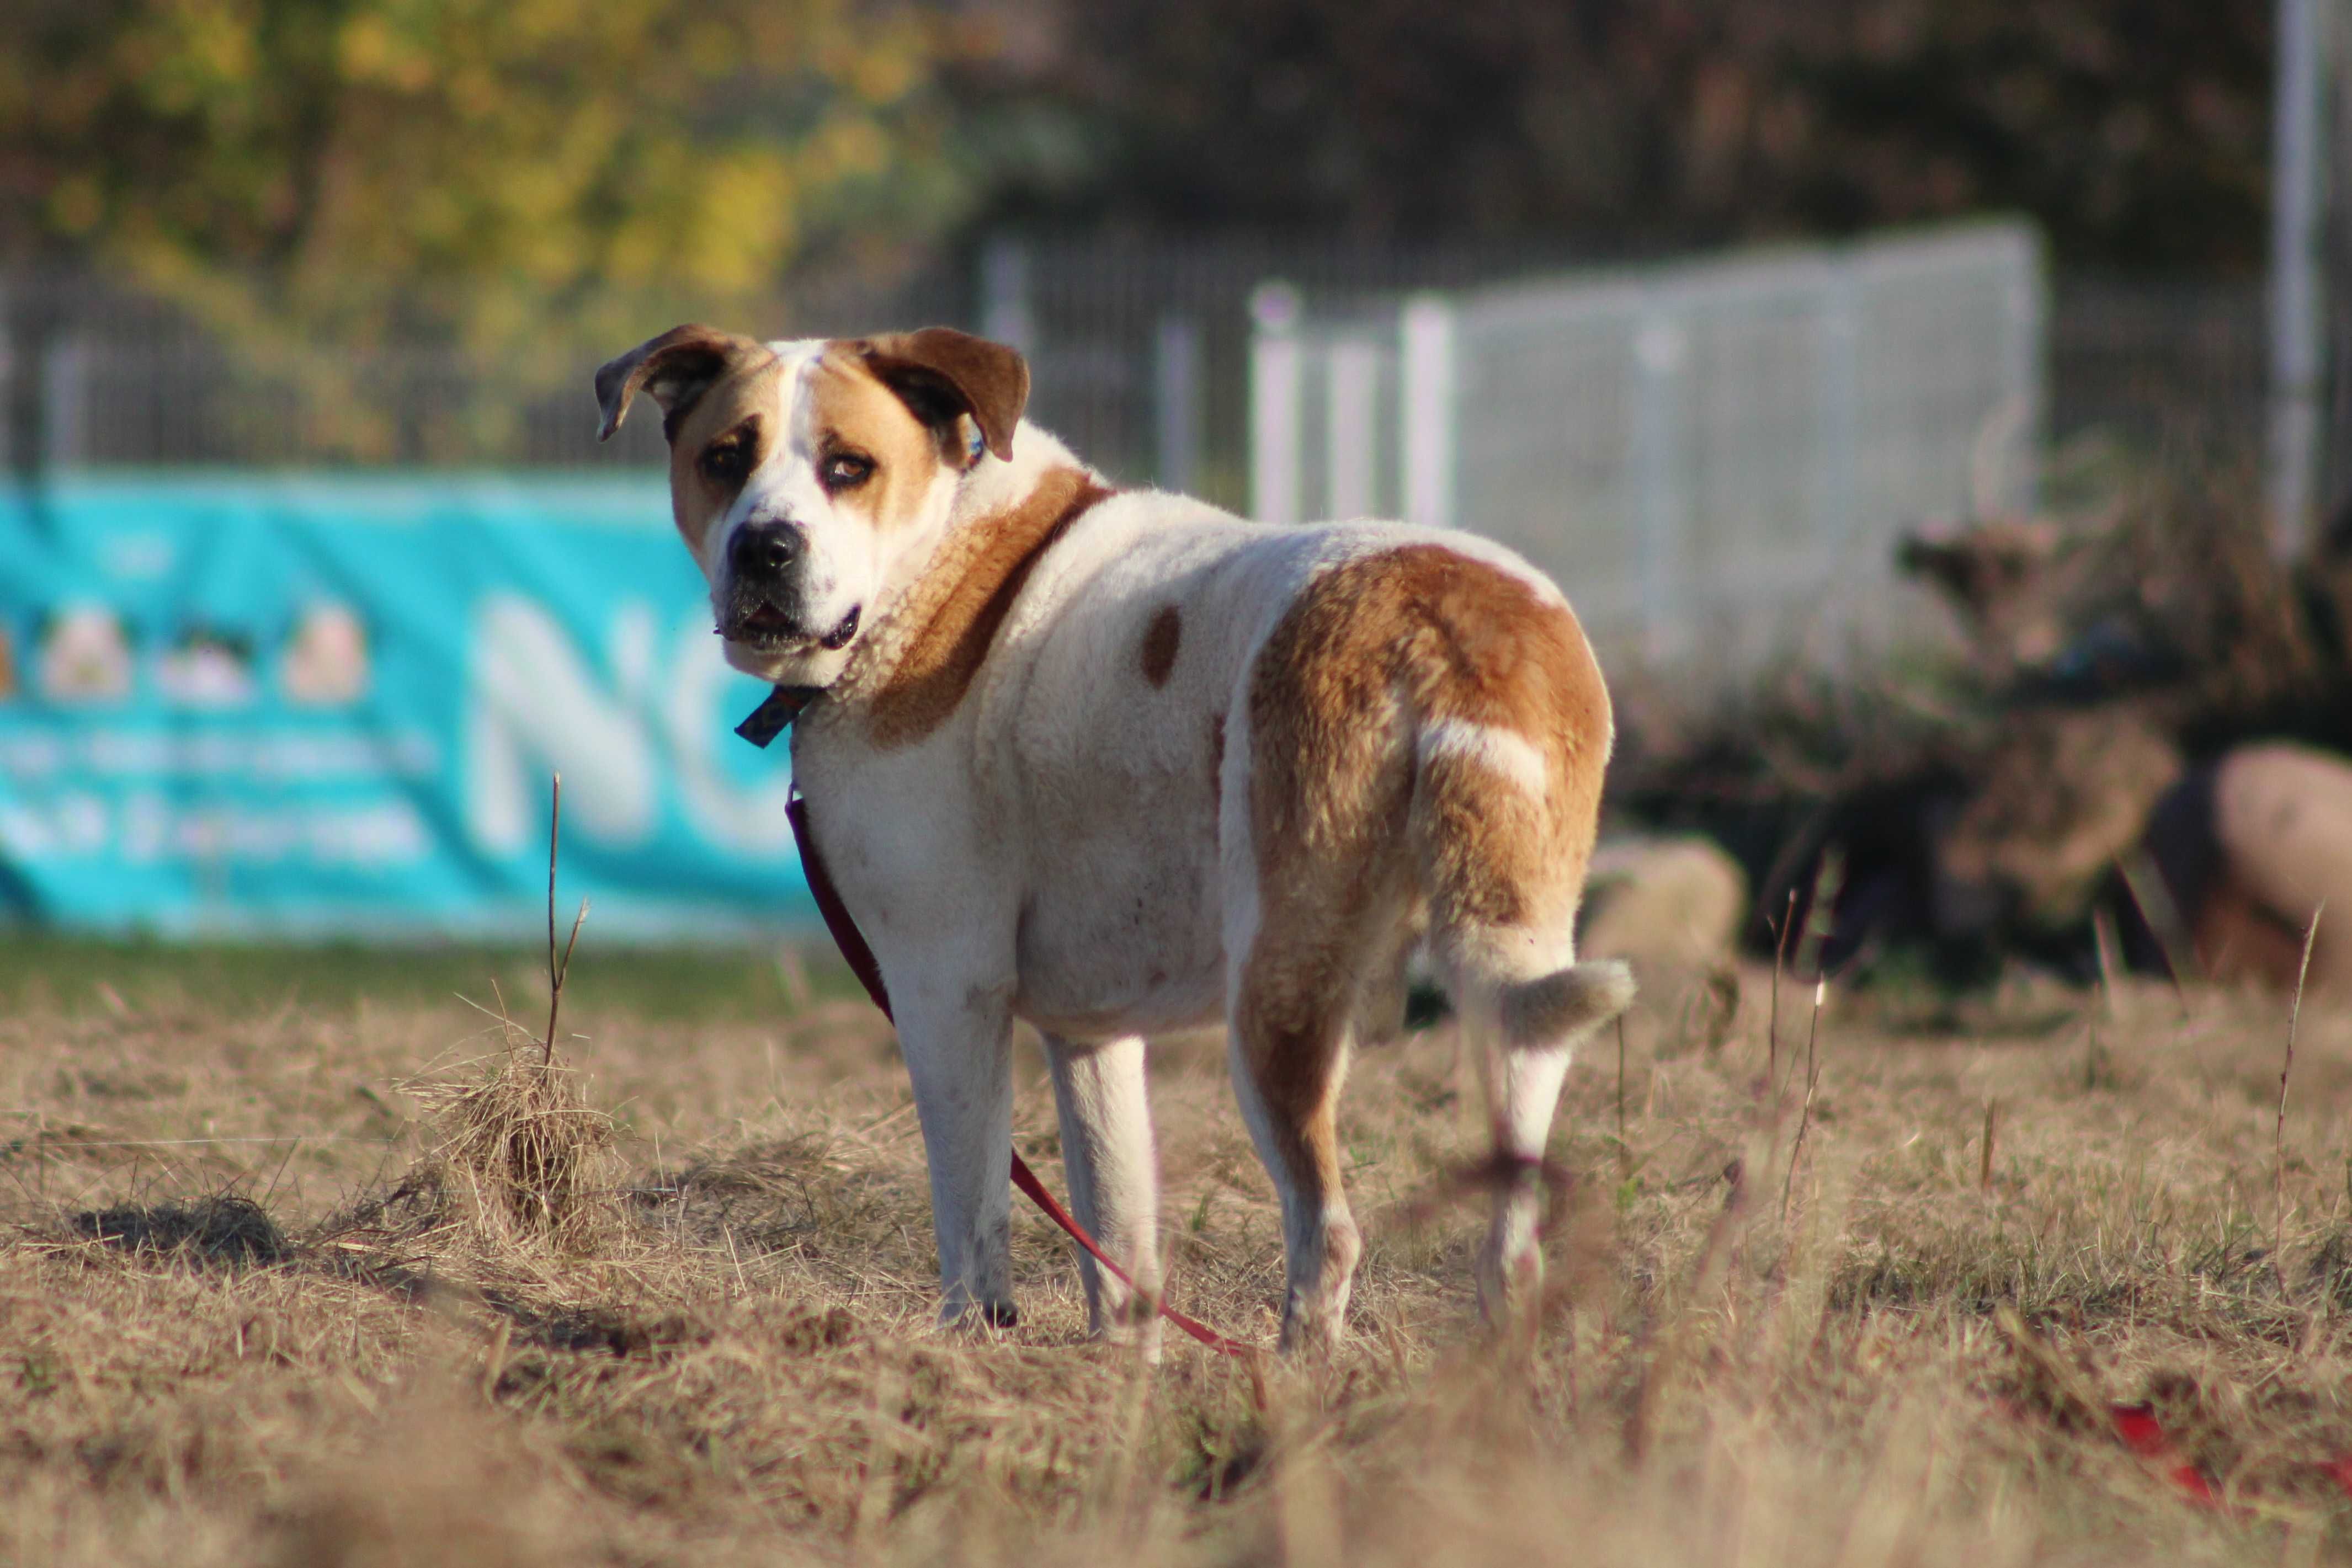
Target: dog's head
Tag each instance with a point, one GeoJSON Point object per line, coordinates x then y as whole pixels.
{"type": "Point", "coordinates": [801, 471]}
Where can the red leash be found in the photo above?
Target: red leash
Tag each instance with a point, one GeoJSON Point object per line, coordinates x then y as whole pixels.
{"type": "Point", "coordinates": [860, 957]}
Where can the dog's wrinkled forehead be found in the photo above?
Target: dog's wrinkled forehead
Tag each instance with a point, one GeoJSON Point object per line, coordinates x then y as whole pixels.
{"type": "Point", "coordinates": [865, 425]}
{"type": "Point", "coordinates": [811, 427]}
{"type": "Point", "coordinates": [948, 382]}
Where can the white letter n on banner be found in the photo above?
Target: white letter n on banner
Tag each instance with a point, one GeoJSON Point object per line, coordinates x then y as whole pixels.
{"type": "Point", "coordinates": [533, 706]}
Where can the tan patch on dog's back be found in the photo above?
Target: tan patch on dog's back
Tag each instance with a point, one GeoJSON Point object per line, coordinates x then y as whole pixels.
{"type": "Point", "coordinates": [965, 598]}
{"type": "Point", "coordinates": [1417, 637]}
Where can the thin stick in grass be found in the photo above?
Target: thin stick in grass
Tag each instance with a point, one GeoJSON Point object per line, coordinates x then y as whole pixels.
{"type": "Point", "coordinates": [1984, 1163]}
{"type": "Point", "coordinates": [2278, 1129]}
{"type": "Point", "coordinates": [2103, 940]}
{"type": "Point", "coordinates": [1829, 878]}
{"type": "Point", "coordinates": [556, 969]}
{"type": "Point", "coordinates": [1772, 1024]}
{"type": "Point", "coordinates": [1813, 1081]}
{"type": "Point", "coordinates": [2161, 916]}
{"type": "Point", "coordinates": [1820, 910]}
{"type": "Point", "coordinates": [1624, 1151]}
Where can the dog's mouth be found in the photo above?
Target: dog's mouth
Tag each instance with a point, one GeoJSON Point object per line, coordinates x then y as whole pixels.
{"type": "Point", "coordinates": [844, 630]}
{"type": "Point", "coordinates": [762, 625]}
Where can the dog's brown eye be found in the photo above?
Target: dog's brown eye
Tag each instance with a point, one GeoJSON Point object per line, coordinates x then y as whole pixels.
{"type": "Point", "coordinates": [726, 459]}
{"type": "Point", "coordinates": [846, 470]}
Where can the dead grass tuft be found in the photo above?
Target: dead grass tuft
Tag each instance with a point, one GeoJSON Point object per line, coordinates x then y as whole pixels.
{"type": "Point", "coordinates": [517, 1142]}
{"type": "Point", "coordinates": [520, 1139]}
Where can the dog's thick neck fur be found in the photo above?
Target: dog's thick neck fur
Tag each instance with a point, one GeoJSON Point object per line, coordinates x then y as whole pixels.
{"type": "Point", "coordinates": [941, 550]}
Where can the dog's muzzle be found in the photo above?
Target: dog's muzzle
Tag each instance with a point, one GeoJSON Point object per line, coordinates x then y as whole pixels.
{"type": "Point", "coordinates": [764, 564]}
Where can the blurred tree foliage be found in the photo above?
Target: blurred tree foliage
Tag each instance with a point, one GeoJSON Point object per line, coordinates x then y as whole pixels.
{"type": "Point", "coordinates": [477, 173]}
{"type": "Point", "coordinates": [2135, 130]}
{"type": "Point", "coordinates": [491, 173]}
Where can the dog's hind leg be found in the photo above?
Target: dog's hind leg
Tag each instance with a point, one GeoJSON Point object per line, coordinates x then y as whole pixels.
{"type": "Point", "coordinates": [1525, 1004]}
{"type": "Point", "coordinates": [1526, 1035]}
{"type": "Point", "coordinates": [1292, 1024]}
{"type": "Point", "coordinates": [1114, 1179]}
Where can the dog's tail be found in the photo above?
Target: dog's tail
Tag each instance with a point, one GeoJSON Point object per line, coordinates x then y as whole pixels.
{"type": "Point", "coordinates": [1505, 846]}
{"type": "Point", "coordinates": [1505, 822]}
{"type": "Point", "coordinates": [1564, 1006]}
{"type": "Point", "coordinates": [1506, 874]}
{"type": "Point", "coordinates": [1509, 733]}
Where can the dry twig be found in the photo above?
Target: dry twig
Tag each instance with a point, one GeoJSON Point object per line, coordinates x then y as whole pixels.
{"type": "Point", "coordinates": [1813, 1081]}
{"type": "Point", "coordinates": [2278, 1129]}
{"type": "Point", "coordinates": [556, 970]}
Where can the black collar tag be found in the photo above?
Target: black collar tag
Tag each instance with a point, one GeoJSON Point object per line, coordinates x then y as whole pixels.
{"type": "Point", "coordinates": [775, 715]}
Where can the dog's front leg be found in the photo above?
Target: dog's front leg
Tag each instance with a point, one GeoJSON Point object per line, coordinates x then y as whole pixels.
{"type": "Point", "coordinates": [957, 1045]}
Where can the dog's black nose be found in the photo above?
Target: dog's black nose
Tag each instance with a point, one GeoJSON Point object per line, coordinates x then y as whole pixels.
{"type": "Point", "coordinates": [764, 552]}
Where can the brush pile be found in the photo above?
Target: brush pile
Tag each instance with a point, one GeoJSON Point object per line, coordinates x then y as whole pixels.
{"type": "Point", "coordinates": [2065, 765]}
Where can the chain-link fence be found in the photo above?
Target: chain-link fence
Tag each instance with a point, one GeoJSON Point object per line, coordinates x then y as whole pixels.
{"type": "Point", "coordinates": [1141, 350]}
{"type": "Point", "coordinates": [2162, 363]}
{"type": "Point", "coordinates": [94, 373]}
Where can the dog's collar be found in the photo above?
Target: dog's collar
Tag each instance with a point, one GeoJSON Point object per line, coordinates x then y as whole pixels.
{"type": "Point", "coordinates": [775, 715]}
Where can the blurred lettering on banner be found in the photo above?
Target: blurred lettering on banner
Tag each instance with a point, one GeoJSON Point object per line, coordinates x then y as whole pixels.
{"type": "Point", "coordinates": [310, 706]}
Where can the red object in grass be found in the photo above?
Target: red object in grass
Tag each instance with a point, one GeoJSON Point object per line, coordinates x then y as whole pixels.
{"type": "Point", "coordinates": [2144, 1435]}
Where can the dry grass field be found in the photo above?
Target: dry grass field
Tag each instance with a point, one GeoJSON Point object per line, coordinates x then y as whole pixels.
{"type": "Point", "coordinates": [302, 1260]}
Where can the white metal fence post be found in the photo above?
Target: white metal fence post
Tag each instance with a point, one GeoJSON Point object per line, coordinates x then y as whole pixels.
{"type": "Point", "coordinates": [2026, 323]}
{"type": "Point", "coordinates": [1352, 384]}
{"type": "Point", "coordinates": [1276, 390]}
{"type": "Point", "coordinates": [1429, 407]}
{"type": "Point", "coordinates": [1841, 450]}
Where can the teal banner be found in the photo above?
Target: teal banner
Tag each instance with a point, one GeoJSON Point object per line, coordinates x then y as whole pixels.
{"type": "Point", "coordinates": [320, 706]}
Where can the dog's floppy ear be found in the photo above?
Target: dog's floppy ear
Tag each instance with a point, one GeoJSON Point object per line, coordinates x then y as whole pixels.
{"type": "Point", "coordinates": [939, 373]}
{"type": "Point", "coordinates": [673, 370]}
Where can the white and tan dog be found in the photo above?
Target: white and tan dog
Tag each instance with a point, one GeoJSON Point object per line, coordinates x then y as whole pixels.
{"type": "Point", "coordinates": [1117, 762]}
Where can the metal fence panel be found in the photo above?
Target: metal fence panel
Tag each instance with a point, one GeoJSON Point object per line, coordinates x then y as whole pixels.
{"type": "Point", "coordinates": [1714, 458]}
